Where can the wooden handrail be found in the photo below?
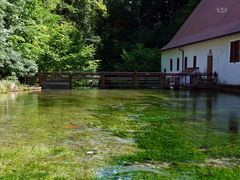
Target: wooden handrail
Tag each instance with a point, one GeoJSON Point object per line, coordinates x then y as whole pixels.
{"type": "Point", "coordinates": [133, 79]}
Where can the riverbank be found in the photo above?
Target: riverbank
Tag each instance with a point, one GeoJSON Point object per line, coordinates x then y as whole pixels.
{"type": "Point", "coordinates": [11, 86]}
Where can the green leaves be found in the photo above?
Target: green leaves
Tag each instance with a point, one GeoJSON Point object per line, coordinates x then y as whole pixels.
{"type": "Point", "coordinates": [68, 42]}
{"type": "Point", "coordinates": [54, 35]}
{"type": "Point", "coordinates": [140, 59]}
{"type": "Point", "coordinates": [48, 35]}
{"type": "Point", "coordinates": [148, 22]}
{"type": "Point", "coordinates": [12, 60]}
{"type": "Point", "coordinates": [65, 50]}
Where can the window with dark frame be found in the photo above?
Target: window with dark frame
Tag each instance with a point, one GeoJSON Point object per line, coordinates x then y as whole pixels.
{"type": "Point", "coordinates": [194, 61]}
{"type": "Point", "coordinates": [171, 64]}
{"type": "Point", "coordinates": [235, 51]}
{"type": "Point", "coordinates": [186, 63]}
{"type": "Point", "coordinates": [178, 64]}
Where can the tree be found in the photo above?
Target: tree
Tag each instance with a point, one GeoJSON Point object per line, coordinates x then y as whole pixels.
{"type": "Point", "coordinates": [54, 35]}
{"type": "Point", "coordinates": [53, 38]}
{"type": "Point", "coordinates": [140, 59]}
{"type": "Point", "coordinates": [12, 62]}
{"type": "Point", "coordinates": [148, 22]}
{"type": "Point", "coordinates": [71, 41]}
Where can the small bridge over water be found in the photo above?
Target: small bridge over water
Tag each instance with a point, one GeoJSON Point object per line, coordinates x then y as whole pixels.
{"type": "Point", "coordinates": [69, 80]}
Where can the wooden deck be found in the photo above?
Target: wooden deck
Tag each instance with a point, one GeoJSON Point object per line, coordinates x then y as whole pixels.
{"type": "Point", "coordinates": [154, 80]}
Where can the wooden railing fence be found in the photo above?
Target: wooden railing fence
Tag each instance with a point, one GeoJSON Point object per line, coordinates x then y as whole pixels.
{"type": "Point", "coordinates": [68, 80]}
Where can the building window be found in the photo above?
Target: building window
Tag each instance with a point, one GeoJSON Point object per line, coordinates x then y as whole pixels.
{"type": "Point", "coordinates": [186, 63]}
{"type": "Point", "coordinates": [171, 64]}
{"type": "Point", "coordinates": [235, 52]}
{"type": "Point", "coordinates": [194, 61]}
{"type": "Point", "coordinates": [178, 64]}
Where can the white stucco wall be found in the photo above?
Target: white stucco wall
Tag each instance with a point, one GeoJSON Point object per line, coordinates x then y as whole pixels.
{"type": "Point", "coordinates": [228, 73]}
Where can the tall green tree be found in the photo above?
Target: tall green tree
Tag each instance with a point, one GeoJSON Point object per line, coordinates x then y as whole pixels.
{"type": "Point", "coordinates": [140, 59]}
{"type": "Point", "coordinates": [71, 42]}
{"type": "Point", "coordinates": [54, 35]}
{"type": "Point", "coordinates": [12, 61]}
{"type": "Point", "coordinates": [148, 22]}
{"type": "Point", "coordinates": [48, 35]}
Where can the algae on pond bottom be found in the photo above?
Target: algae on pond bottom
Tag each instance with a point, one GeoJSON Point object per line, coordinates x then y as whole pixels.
{"type": "Point", "coordinates": [90, 133]}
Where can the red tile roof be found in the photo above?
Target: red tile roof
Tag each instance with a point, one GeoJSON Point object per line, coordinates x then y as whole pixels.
{"type": "Point", "coordinates": [211, 19]}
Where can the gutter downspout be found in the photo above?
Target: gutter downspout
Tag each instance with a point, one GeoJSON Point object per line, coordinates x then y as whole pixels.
{"type": "Point", "coordinates": [180, 49]}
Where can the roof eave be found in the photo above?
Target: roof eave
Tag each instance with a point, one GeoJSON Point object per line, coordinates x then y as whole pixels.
{"type": "Point", "coordinates": [190, 43]}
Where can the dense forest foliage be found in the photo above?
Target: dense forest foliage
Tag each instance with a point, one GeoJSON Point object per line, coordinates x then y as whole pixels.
{"type": "Point", "coordinates": [86, 35]}
{"type": "Point", "coordinates": [135, 30]}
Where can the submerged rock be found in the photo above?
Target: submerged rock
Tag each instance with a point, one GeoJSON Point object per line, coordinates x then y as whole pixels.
{"type": "Point", "coordinates": [203, 148]}
{"type": "Point", "coordinates": [134, 116]}
{"type": "Point", "coordinates": [124, 163]}
{"type": "Point", "coordinates": [92, 152]}
{"type": "Point", "coordinates": [223, 162]}
{"type": "Point", "coordinates": [128, 171]}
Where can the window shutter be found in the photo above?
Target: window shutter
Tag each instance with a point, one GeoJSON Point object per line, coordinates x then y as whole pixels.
{"type": "Point", "coordinates": [235, 51]}
{"type": "Point", "coordinates": [186, 62]}
{"type": "Point", "coordinates": [194, 61]}
{"type": "Point", "coordinates": [232, 50]}
{"type": "Point", "coordinates": [236, 54]}
{"type": "Point", "coordinates": [171, 64]}
{"type": "Point", "coordinates": [178, 64]}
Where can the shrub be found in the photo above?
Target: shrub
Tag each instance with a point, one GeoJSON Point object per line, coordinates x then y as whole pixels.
{"type": "Point", "coordinates": [140, 59]}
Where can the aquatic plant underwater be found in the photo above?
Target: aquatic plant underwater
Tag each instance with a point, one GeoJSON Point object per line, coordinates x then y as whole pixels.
{"type": "Point", "coordinates": [119, 134]}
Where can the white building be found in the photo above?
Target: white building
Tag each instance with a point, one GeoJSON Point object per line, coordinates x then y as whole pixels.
{"type": "Point", "coordinates": [208, 40]}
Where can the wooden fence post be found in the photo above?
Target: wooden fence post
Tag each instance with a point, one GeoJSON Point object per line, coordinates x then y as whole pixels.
{"type": "Point", "coordinates": [40, 79]}
{"type": "Point", "coordinates": [70, 81]}
{"type": "Point", "coordinates": [135, 80]}
{"type": "Point", "coordinates": [162, 80]}
{"type": "Point", "coordinates": [103, 80]}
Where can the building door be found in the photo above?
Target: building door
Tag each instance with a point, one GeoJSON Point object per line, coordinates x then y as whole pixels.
{"type": "Point", "coordinates": [210, 63]}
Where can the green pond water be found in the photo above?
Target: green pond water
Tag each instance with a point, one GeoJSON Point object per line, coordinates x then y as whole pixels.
{"type": "Point", "coordinates": [119, 134]}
